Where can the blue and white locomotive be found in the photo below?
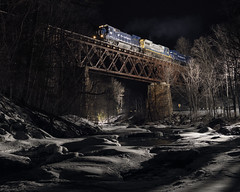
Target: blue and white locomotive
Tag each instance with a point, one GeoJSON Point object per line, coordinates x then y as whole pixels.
{"type": "Point", "coordinates": [135, 43]}
{"type": "Point", "coordinates": [178, 56]}
{"type": "Point", "coordinates": [116, 37]}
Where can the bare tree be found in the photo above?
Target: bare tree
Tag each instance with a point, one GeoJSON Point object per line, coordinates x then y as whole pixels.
{"type": "Point", "coordinates": [183, 46]}
{"type": "Point", "coordinates": [193, 81]}
{"type": "Point", "coordinates": [227, 41]}
{"type": "Point", "coordinates": [203, 52]}
{"type": "Point", "coordinates": [33, 61]}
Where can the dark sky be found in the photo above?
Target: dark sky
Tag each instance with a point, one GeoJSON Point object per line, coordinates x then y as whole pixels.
{"type": "Point", "coordinates": [164, 21]}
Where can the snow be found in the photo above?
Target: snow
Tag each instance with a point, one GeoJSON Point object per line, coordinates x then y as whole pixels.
{"type": "Point", "coordinates": [102, 159]}
{"type": "Point", "coordinates": [204, 139]}
{"type": "Point", "coordinates": [117, 157]}
{"type": "Point", "coordinates": [77, 120]}
{"type": "Point", "coordinates": [123, 129]}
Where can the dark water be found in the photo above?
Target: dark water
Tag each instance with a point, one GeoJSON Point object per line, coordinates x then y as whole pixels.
{"type": "Point", "coordinates": [144, 142]}
{"type": "Point", "coordinates": [147, 139]}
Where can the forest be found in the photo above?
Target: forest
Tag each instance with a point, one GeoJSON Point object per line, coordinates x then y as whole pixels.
{"type": "Point", "coordinates": [29, 72]}
{"type": "Point", "coordinates": [212, 77]}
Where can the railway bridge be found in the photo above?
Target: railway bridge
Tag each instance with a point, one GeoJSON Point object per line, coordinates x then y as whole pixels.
{"type": "Point", "coordinates": [106, 80]}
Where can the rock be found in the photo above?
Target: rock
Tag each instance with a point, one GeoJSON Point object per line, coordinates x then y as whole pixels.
{"type": "Point", "coordinates": [41, 173]}
{"type": "Point", "coordinates": [200, 173]}
{"type": "Point", "coordinates": [131, 126]}
{"type": "Point", "coordinates": [11, 121]}
{"type": "Point", "coordinates": [217, 127]}
{"type": "Point", "coordinates": [203, 130]}
{"type": "Point", "coordinates": [234, 154]}
{"type": "Point", "coordinates": [11, 162]}
{"type": "Point", "coordinates": [18, 127]}
{"type": "Point", "coordinates": [2, 118]}
{"type": "Point", "coordinates": [200, 126]}
{"type": "Point", "coordinates": [36, 134]}
{"type": "Point", "coordinates": [21, 135]}
{"type": "Point", "coordinates": [215, 122]}
{"type": "Point", "coordinates": [49, 153]}
{"type": "Point", "coordinates": [137, 119]}
{"type": "Point", "coordinates": [224, 131]}
{"type": "Point", "coordinates": [54, 148]}
{"type": "Point", "coordinates": [6, 127]}
{"type": "Point", "coordinates": [186, 122]}
{"type": "Point", "coordinates": [178, 183]}
{"type": "Point", "coordinates": [88, 173]}
{"type": "Point", "coordinates": [2, 139]}
{"type": "Point", "coordinates": [57, 157]}
{"type": "Point", "coordinates": [2, 131]}
{"type": "Point", "coordinates": [235, 131]}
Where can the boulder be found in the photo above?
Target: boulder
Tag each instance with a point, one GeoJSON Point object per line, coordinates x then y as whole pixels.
{"type": "Point", "coordinates": [217, 127]}
{"type": "Point", "coordinates": [224, 131]}
{"type": "Point", "coordinates": [3, 131]}
{"type": "Point", "coordinates": [18, 127]}
{"type": "Point", "coordinates": [11, 162]}
{"type": "Point", "coordinates": [217, 121]}
{"type": "Point", "coordinates": [21, 135]}
{"type": "Point", "coordinates": [2, 118]}
{"type": "Point", "coordinates": [203, 129]}
{"type": "Point", "coordinates": [5, 126]}
{"type": "Point", "coordinates": [235, 131]}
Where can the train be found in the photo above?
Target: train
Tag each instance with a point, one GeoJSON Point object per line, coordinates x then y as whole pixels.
{"type": "Point", "coordinates": [135, 43]}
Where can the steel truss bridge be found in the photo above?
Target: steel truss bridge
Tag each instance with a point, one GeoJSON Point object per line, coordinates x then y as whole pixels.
{"type": "Point", "coordinates": [101, 57]}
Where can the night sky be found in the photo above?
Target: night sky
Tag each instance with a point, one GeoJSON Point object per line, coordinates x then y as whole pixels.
{"type": "Point", "coordinates": [165, 21]}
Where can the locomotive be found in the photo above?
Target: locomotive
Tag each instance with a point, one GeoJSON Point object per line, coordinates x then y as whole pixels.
{"type": "Point", "coordinates": [152, 49]}
{"type": "Point", "coordinates": [178, 56]}
{"type": "Point", "coordinates": [116, 37]}
{"type": "Point", "coordinates": [135, 43]}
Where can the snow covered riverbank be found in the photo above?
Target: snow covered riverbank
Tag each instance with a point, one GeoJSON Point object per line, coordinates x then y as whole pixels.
{"type": "Point", "coordinates": [117, 157]}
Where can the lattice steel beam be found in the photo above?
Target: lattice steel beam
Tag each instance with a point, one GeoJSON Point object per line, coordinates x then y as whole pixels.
{"type": "Point", "coordinates": [102, 57]}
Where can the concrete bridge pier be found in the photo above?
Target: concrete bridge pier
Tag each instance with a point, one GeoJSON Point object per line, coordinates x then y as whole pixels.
{"type": "Point", "coordinates": [83, 96]}
{"type": "Point", "coordinates": [159, 101]}
{"type": "Point", "coordinates": [103, 97]}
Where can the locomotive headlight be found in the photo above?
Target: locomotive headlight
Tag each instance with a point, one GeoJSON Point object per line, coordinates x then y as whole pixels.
{"type": "Point", "coordinates": [94, 37]}
{"type": "Point", "coordinates": [101, 35]}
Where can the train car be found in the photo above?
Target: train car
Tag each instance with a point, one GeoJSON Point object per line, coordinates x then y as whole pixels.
{"type": "Point", "coordinates": [153, 49]}
{"type": "Point", "coordinates": [132, 42]}
{"type": "Point", "coordinates": [115, 36]}
{"type": "Point", "coordinates": [178, 56]}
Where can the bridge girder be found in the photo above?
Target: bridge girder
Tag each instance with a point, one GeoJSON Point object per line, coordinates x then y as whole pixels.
{"type": "Point", "coordinates": [101, 57]}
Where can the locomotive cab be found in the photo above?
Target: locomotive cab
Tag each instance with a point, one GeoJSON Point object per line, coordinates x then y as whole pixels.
{"type": "Point", "coordinates": [103, 31]}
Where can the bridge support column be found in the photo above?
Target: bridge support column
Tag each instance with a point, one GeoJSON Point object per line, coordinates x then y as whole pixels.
{"type": "Point", "coordinates": [159, 101]}
{"type": "Point", "coordinates": [84, 86]}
